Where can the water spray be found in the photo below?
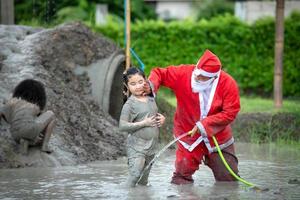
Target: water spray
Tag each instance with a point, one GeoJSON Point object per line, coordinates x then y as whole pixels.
{"type": "Point", "coordinates": [160, 152]}
{"type": "Point", "coordinates": [253, 186]}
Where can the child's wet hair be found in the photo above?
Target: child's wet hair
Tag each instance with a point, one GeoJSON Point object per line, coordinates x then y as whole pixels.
{"type": "Point", "coordinates": [127, 74]}
{"type": "Point", "coordinates": [130, 72]}
{"type": "Point", "coordinates": [32, 91]}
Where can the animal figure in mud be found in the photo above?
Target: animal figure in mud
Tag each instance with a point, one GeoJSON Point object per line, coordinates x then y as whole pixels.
{"type": "Point", "coordinates": [29, 125]}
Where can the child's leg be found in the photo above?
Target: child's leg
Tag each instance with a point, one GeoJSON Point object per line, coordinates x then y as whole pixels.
{"type": "Point", "coordinates": [144, 178]}
{"type": "Point", "coordinates": [136, 163]}
{"type": "Point", "coordinates": [46, 123]}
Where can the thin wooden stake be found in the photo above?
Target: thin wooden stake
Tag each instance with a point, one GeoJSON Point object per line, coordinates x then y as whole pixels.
{"type": "Point", "coordinates": [127, 34]}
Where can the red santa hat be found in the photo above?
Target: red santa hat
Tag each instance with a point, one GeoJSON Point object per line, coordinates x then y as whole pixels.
{"type": "Point", "coordinates": [208, 65]}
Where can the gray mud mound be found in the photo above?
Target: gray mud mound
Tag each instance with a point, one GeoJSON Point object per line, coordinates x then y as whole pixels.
{"type": "Point", "coordinates": [84, 132]}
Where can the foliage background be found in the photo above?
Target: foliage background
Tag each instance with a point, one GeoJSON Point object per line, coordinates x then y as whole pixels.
{"type": "Point", "coordinates": [246, 51]}
{"type": "Point", "coordinates": [49, 12]}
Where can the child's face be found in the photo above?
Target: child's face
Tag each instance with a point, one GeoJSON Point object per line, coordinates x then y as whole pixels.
{"type": "Point", "coordinates": [136, 84]}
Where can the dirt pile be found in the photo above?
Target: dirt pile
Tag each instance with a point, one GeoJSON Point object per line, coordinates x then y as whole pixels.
{"type": "Point", "coordinates": [84, 132]}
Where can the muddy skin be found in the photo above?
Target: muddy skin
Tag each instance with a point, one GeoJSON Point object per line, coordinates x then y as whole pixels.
{"type": "Point", "coordinates": [83, 132]}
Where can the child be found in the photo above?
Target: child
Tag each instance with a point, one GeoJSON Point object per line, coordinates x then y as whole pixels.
{"type": "Point", "coordinates": [28, 125]}
{"type": "Point", "coordinates": [139, 117]}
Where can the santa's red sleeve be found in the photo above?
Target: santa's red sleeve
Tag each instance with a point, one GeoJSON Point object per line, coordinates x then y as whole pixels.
{"type": "Point", "coordinates": [164, 76]}
{"type": "Point", "coordinates": [215, 123]}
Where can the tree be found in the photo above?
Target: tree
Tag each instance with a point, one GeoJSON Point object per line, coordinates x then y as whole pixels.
{"type": "Point", "coordinates": [279, 42]}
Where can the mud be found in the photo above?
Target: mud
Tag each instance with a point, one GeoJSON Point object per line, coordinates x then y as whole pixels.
{"type": "Point", "coordinates": [84, 132]}
{"type": "Point", "coordinates": [267, 166]}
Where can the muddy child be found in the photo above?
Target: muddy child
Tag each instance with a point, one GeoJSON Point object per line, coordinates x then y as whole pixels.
{"type": "Point", "coordinates": [29, 125]}
{"type": "Point", "coordinates": [140, 118]}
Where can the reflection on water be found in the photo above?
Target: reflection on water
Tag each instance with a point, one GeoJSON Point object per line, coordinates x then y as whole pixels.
{"type": "Point", "coordinates": [268, 166]}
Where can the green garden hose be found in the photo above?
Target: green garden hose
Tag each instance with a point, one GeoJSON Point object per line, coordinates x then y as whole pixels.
{"type": "Point", "coordinates": [229, 169]}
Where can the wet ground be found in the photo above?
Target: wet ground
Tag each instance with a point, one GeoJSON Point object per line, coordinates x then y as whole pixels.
{"type": "Point", "coordinates": [272, 167]}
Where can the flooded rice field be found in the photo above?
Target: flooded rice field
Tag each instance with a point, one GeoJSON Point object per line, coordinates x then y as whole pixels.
{"type": "Point", "coordinates": [274, 168]}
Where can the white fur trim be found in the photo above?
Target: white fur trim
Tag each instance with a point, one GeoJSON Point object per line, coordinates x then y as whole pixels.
{"type": "Point", "coordinates": [205, 108]}
{"type": "Point", "coordinates": [222, 146]}
{"type": "Point", "coordinates": [191, 147]}
{"type": "Point", "coordinates": [205, 73]}
{"type": "Point", "coordinates": [152, 88]}
{"type": "Point", "coordinates": [202, 129]}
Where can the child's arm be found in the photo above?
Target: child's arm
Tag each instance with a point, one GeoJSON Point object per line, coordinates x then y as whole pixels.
{"type": "Point", "coordinates": [130, 127]}
{"type": "Point", "coordinates": [127, 126]}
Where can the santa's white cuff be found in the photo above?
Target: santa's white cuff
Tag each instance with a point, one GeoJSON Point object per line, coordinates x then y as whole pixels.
{"type": "Point", "coordinates": [152, 88]}
{"type": "Point", "coordinates": [201, 128]}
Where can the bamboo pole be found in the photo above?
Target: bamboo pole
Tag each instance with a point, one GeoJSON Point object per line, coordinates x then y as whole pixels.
{"type": "Point", "coordinates": [279, 44]}
{"type": "Point", "coordinates": [127, 34]}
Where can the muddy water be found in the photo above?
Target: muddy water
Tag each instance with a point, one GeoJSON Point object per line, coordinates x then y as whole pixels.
{"type": "Point", "coordinates": [269, 166]}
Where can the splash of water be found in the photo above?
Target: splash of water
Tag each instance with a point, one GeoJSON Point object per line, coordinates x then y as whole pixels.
{"type": "Point", "coordinates": [160, 152]}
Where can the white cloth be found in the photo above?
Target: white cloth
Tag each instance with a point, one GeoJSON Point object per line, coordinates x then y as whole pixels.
{"type": "Point", "coordinates": [205, 73]}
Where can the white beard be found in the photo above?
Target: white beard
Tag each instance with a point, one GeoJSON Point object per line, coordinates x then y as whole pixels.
{"type": "Point", "coordinates": [200, 86]}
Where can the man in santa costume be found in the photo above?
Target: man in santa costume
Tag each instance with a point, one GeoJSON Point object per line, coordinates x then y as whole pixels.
{"type": "Point", "coordinates": [207, 102]}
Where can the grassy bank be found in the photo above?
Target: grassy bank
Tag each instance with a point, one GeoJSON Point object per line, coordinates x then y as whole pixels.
{"type": "Point", "coordinates": [258, 120]}
{"type": "Point", "coordinates": [250, 104]}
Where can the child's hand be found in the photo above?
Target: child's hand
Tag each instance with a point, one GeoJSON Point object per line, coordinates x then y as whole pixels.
{"type": "Point", "coordinates": [150, 121]}
{"type": "Point", "coordinates": [160, 119]}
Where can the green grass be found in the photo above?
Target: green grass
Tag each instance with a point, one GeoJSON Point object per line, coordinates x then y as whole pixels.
{"type": "Point", "coordinates": [249, 104]}
{"type": "Point", "coordinates": [266, 124]}
{"type": "Point", "coordinates": [257, 104]}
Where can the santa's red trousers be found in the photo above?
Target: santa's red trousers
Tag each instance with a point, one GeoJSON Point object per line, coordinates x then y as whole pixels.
{"type": "Point", "coordinates": [188, 162]}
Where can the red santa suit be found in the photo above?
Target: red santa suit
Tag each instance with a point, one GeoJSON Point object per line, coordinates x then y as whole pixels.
{"type": "Point", "coordinates": [211, 110]}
